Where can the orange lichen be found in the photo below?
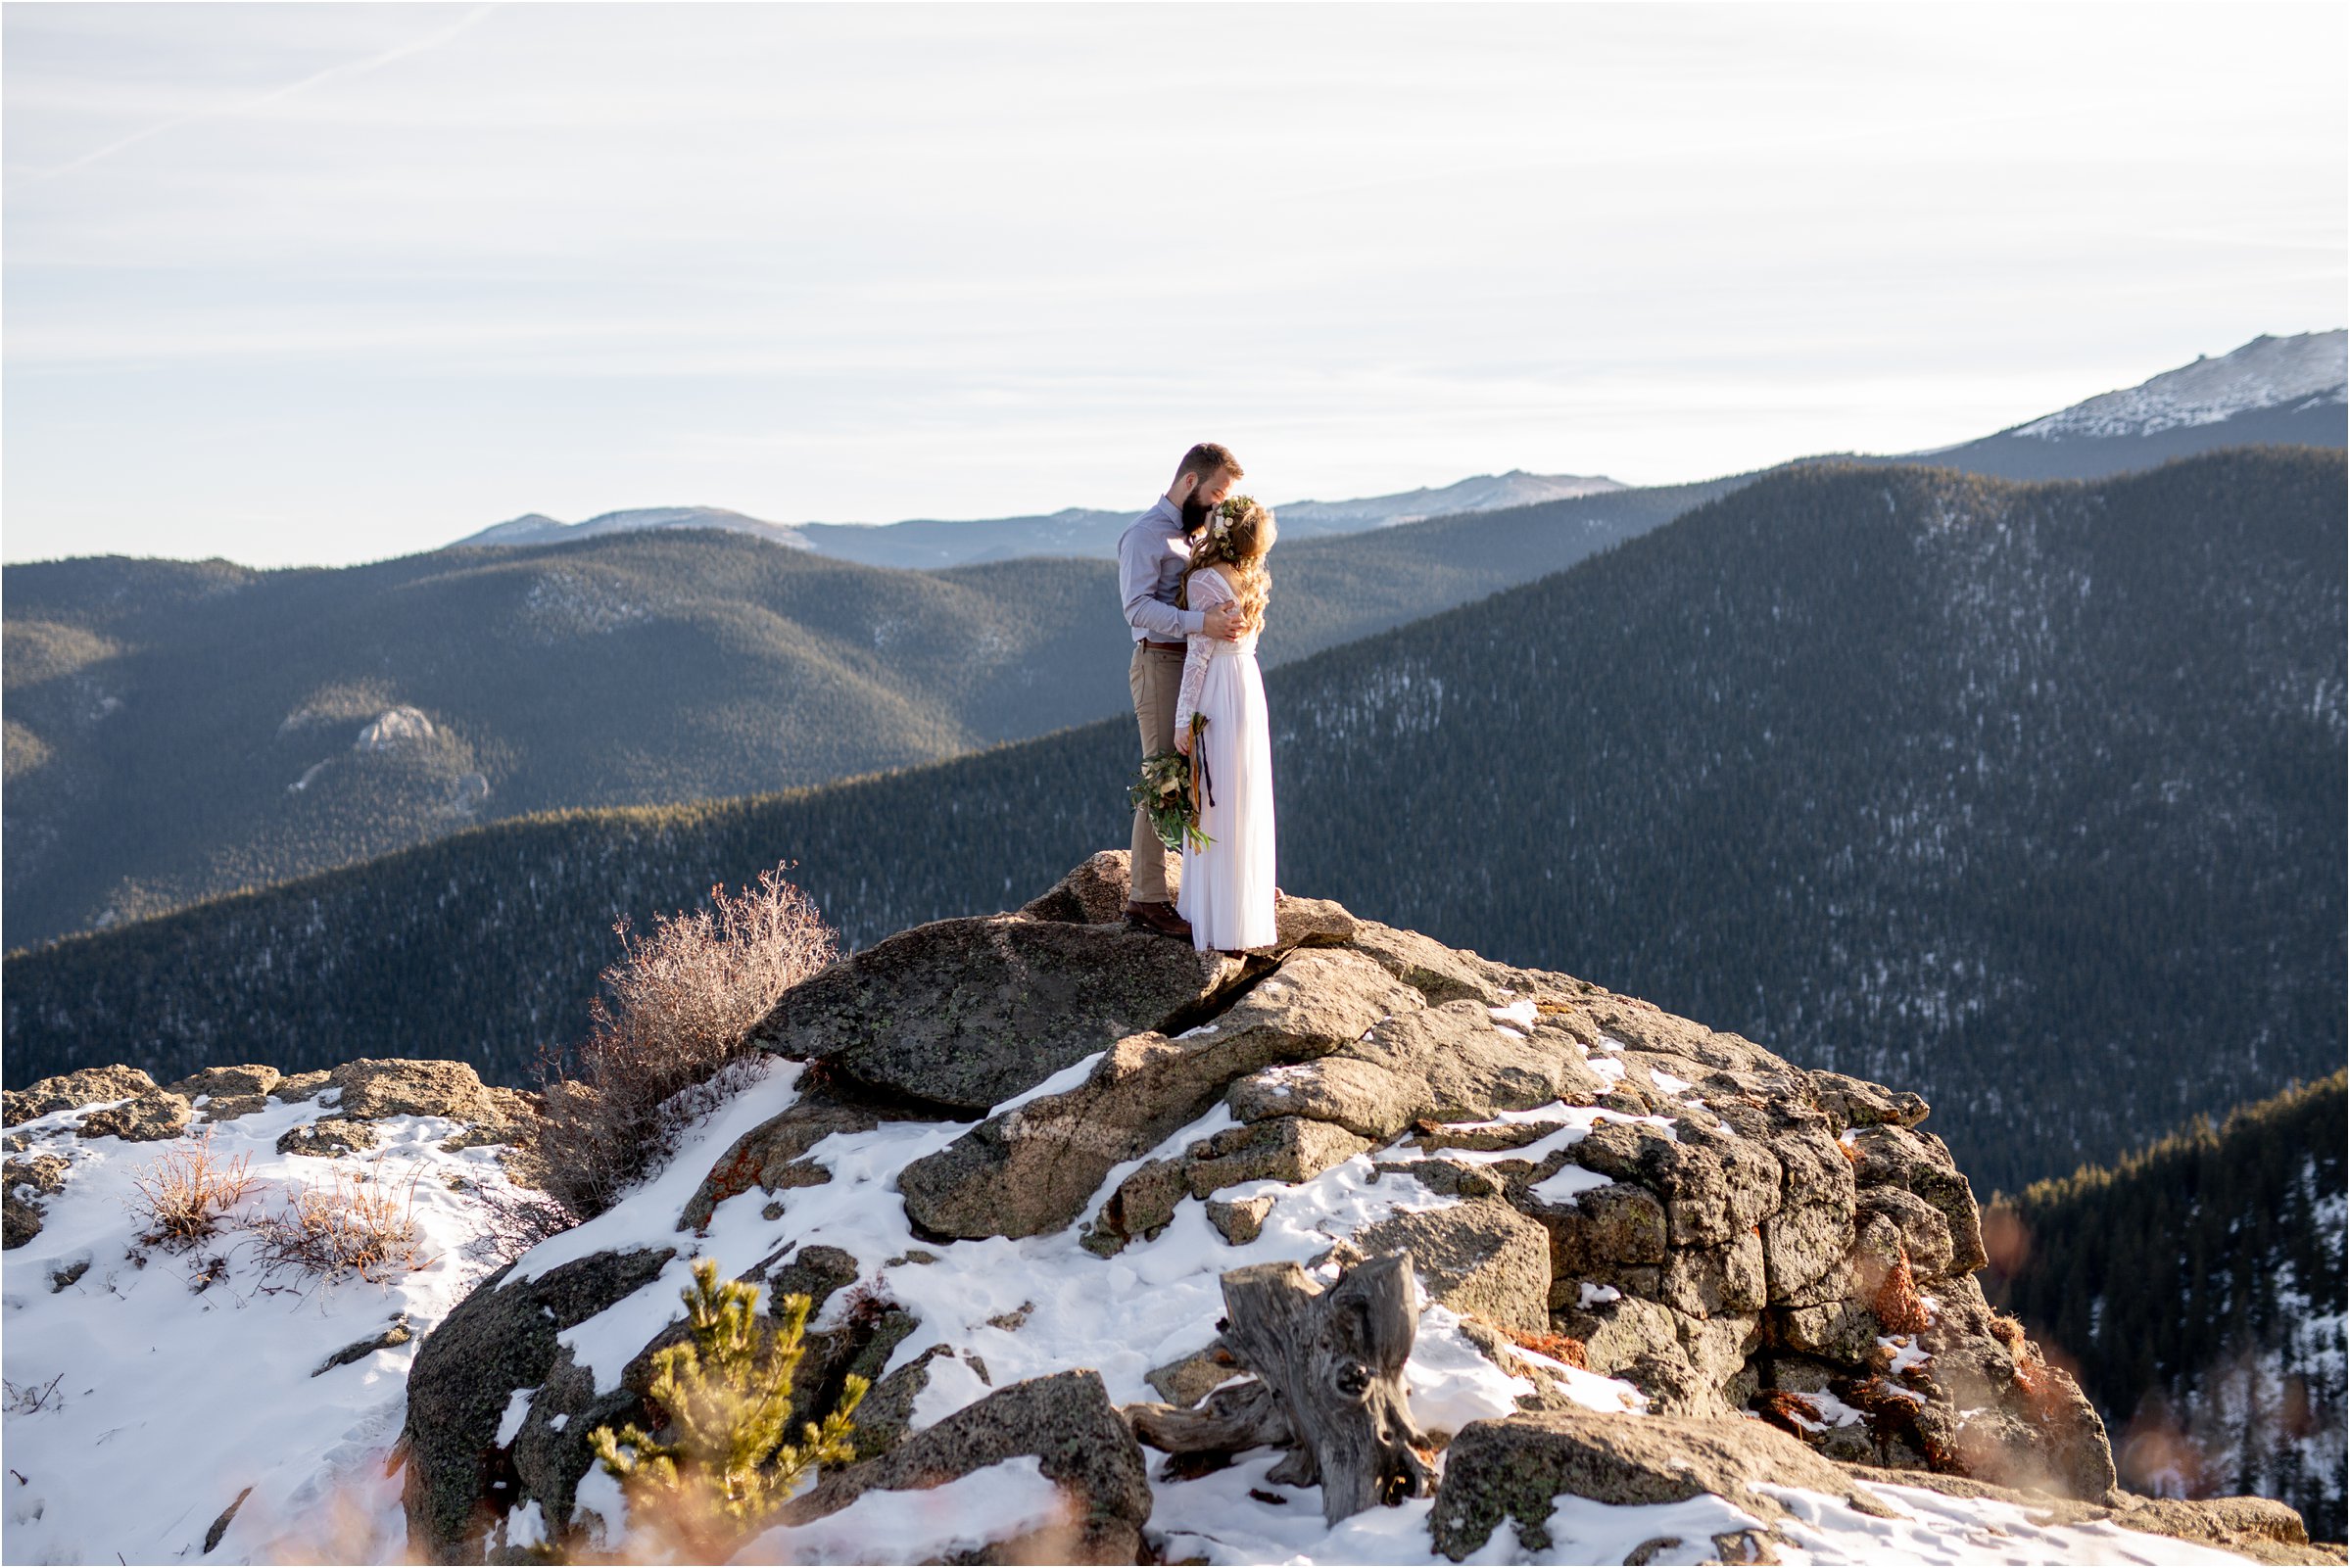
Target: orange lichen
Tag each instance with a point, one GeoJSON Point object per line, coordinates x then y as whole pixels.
{"type": "Point", "coordinates": [1897, 1304]}
{"type": "Point", "coordinates": [1893, 1417]}
{"type": "Point", "coordinates": [1557, 1347]}
{"type": "Point", "coordinates": [2044, 1391]}
{"type": "Point", "coordinates": [1788, 1412]}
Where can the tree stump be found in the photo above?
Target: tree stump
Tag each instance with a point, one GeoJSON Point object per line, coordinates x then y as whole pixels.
{"type": "Point", "coordinates": [1329, 1369]}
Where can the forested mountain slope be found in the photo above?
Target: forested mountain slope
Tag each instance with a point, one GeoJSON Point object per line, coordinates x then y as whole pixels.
{"type": "Point", "coordinates": [178, 729]}
{"type": "Point", "coordinates": [2197, 1286]}
{"type": "Point", "coordinates": [2029, 796]}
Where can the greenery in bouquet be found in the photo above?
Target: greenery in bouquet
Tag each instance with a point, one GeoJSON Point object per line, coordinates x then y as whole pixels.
{"type": "Point", "coordinates": [1164, 790]}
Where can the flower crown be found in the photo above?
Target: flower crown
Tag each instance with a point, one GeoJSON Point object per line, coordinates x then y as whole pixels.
{"type": "Point", "coordinates": [1229, 511]}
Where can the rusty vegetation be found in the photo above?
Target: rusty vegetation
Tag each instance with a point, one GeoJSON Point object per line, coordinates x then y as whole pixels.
{"type": "Point", "coordinates": [682, 1004]}
{"type": "Point", "coordinates": [348, 1225]}
{"type": "Point", "coordinates": [184, 1195]}
{"type": "Point", "coordinates": [352, 1226]}
{"type": "Point", "coordinates": [1557, 1347]}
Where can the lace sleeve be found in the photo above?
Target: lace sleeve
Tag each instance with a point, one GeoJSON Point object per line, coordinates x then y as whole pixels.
{"type": "Point", "coordinates": [1207, 589]}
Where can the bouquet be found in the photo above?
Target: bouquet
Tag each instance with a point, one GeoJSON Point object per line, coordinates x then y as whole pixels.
{"type": "Point", "coordinates": [1165, 792]}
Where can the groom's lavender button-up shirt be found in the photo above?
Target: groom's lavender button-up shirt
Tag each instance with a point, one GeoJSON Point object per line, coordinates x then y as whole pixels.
{"type": "Point", "coordinates": [1151, 556]}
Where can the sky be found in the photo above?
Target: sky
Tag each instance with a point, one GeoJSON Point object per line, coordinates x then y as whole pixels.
{"type": "Point", "coordinates": [326, 283]}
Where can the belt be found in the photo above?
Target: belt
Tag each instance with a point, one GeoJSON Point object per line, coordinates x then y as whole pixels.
{"type": "Point", "coordinates": [1165, 648]}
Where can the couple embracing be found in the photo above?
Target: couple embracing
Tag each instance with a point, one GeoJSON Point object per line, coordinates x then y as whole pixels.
{"type": "Point", "coordinates": [1192, 573]}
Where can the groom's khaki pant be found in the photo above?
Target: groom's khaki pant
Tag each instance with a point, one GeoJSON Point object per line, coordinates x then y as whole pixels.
{"type": "Point", "coordinates": [1156, 679]}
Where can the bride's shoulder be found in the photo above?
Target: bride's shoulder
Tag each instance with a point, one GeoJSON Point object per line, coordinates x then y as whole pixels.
{"type": "Point", "coordinates": [1216, 580]}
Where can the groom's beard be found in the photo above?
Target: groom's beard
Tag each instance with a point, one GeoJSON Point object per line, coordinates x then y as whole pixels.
{"type": "Point", "coordinates": [1195, 514]}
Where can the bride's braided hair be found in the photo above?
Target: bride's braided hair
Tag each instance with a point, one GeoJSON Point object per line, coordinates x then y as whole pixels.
{"type": "Point", "coordinates": [1239, 533]}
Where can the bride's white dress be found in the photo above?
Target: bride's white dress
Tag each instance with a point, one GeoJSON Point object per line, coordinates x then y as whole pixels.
{"type": "Point", "coordinates": [1226, 891]}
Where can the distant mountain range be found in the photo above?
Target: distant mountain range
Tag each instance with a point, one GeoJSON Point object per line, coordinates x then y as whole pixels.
{"type": "Point", "coordinates": [2272, 390]}
{"type": "Point", "coordinates": [2030, 796]}
{"type": "Point", "coordinates": [926, 542]}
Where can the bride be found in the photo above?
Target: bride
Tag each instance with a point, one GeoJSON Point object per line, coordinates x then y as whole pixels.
{"type": "Point", "coordinates": [1227, 891]}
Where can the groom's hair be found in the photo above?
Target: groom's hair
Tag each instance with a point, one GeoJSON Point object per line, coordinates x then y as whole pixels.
{"type": "Point", "coordinates": [1208, 459]}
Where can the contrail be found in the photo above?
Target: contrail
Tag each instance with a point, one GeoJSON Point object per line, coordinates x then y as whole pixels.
{"type": "Point", "coordinates": [353, 67]}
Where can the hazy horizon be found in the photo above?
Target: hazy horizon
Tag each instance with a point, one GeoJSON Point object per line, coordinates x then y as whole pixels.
{"type": "Point", "coordinates": [319, 284]}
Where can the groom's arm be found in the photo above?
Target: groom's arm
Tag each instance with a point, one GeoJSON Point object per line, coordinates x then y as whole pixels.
{"type": "Point", "coordinates": [1138, 586]}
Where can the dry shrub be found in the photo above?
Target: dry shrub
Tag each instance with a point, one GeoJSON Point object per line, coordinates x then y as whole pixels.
{"type": "Point", "coordinates": [352, 1226]}
{"type": "Point", "coordinates": [682, 1002]}
{"type": "Point", "coordinates": [183, 1194]}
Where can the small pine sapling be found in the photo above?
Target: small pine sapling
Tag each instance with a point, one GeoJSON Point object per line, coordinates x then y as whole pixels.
{"type": "Point", "coordinates": [724, 1403]}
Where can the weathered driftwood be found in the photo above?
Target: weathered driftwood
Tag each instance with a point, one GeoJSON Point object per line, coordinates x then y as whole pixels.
{"type": "Point", "coordinates": [1242, 1415]}
{"type": "Point", "coordinates": [1329, 1368]}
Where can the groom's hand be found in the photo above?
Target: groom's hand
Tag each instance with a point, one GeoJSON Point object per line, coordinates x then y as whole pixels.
{"type": "Point", "coordinates": [1222, 622]}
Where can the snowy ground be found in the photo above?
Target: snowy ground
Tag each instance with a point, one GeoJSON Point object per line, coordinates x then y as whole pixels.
{"type": "Point", "coordinates": [173, 1400]}
{"type": "Point", "coordinates": [169, 1400]}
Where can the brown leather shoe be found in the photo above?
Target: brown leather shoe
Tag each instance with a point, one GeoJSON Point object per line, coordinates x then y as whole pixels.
{"type": "Point", "coordinates": [1160, 917]}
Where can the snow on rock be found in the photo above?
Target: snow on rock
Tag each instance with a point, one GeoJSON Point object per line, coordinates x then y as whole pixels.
{"type": "Point", "coordinates": [1653, 1215]}
{"type": "Point", "coordinates": [1930, 1528]}
{"type": "Point", "coordinates": [392, 728]}
{"type": "Point", "coordinates": [997, 1502]}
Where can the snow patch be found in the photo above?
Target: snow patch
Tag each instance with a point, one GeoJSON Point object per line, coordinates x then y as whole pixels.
{"type": "Point", "coordinates": [1005, 1499]}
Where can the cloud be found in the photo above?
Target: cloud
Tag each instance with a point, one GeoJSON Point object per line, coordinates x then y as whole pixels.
{"type": "Point", "coordinates": [822, 261]}
{"type": "Point", "coordinates": [340, 72]}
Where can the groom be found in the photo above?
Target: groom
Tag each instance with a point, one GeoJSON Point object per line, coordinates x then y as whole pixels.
{"type": "Point", "coordinates": [1151, 555]}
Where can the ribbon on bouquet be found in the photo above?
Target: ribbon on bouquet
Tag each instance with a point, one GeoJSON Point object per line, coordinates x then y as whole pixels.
{"type": "Point", "coordinates": [1203, 787]}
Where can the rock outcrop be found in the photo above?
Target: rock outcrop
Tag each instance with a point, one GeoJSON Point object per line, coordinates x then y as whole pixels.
{"type": "Point", "coordinates": [499, 1339]}
{"type": "Point", "coordinates": [1032, 1167]}
{"type": "Point", "coordinates": [125, 1103]}
{"type": "Point", "coordinates": [1777, 1262]}
{"type": "Point", "coordinates": [70, 1091]}
{"type": "Point", "coordinates": [1067, 1422]}
{"type": "Point", "coordinates": [961, 1014]}
{"type": "Point", "coordinates": [1515, 1469]}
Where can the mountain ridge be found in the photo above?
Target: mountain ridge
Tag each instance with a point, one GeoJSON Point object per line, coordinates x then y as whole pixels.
{"type": "Point", "coordinates": [1761, 858]}
{"type": "Point", "coordinates": [929, 542]}
{"type": "Point", "coordinates": [2269, 389]}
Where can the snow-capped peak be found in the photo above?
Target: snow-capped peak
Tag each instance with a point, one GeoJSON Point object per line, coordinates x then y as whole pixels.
{"type": "Point", "coordinates": [2268, 372]}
